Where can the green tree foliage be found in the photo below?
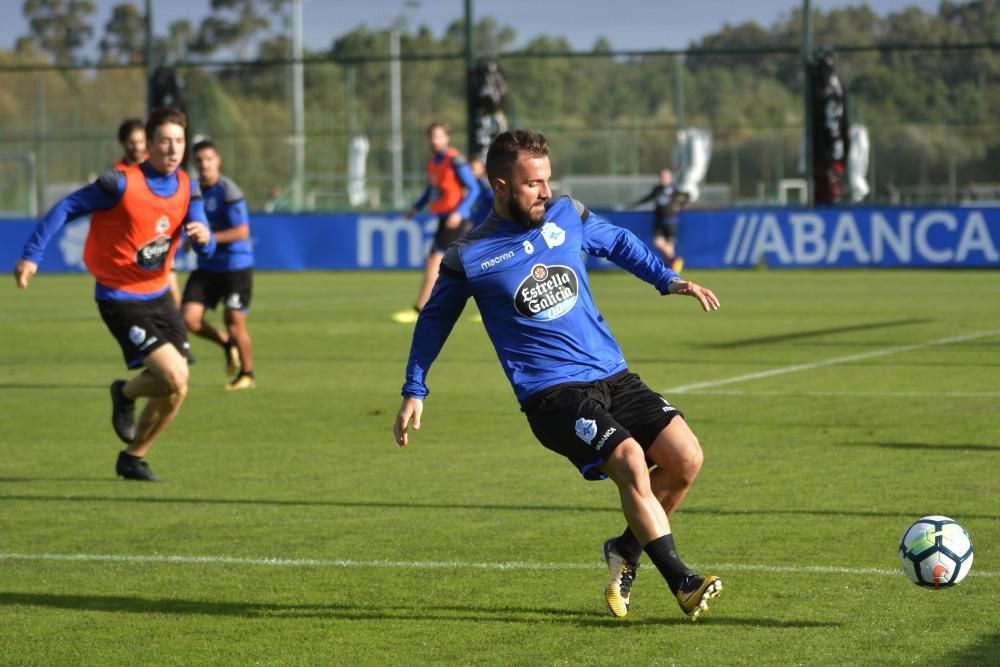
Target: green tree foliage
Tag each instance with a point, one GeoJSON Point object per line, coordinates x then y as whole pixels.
{"type": "Point", "coordinates": [928, 110]}
{"type": "Point", "coordinates": [60, 27]}
{"type": "Point", "coordinates": [124, 35]}
{"type": "Point", "coordinates": [236, 23]}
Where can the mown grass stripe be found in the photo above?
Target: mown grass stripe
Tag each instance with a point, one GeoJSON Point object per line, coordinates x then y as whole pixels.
{"type": "Point", "coordinates": [434, 564]}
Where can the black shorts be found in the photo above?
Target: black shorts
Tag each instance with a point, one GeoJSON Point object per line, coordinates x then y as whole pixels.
{"type": "Point", "coordinates": [445, 236]}
{"type": "Point", "coordinates": [233, 288]}
{"type": "Point", "coordinates": [585, 421]}
{"type": "Point", "coordinates": [142, 326]}
{"type": "Point", "coordinates": [667, 230]}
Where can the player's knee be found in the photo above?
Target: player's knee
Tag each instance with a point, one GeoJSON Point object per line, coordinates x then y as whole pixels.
{"type": "Point", "coordinates": [192, 321]}
{"type": "Point", "coordinates": [691, 459]}
{"type": "Point", "coordinates": [176, 380]}
{"type": "Point", "coordinates": [629, 467]}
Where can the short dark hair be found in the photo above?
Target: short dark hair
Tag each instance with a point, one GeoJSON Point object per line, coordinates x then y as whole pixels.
{"type": "Point", "coordinates": [128, 126]}
{"type": "Point", "coordinates": [202, 145]}
{"type": "Point", "coordinates": [508, 147]}
{"type": "Point", "coordinates": [437, 123]}
{"type": "Point", "coordinates": [162, 116]}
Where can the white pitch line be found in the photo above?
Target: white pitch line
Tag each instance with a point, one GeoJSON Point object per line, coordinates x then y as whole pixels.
{"type": "Point", "coordinates": [436, 565]}
{"type": "Point", "coordinates": [831, 362]}
{"type": "Point", "coordinates": [873, 394]}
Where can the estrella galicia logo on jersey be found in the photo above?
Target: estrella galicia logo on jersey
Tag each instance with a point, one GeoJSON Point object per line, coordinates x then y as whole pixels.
{"type": "Point", "coordinates": [136, 335]}
{"type": "Point", "coordinates": [553, 234]}
{"type": "Point", "coordinates": [152, 255]}
{"type": "Point", "coordinates": [586, 429]}
{"type": "Point", "coordinates": [549, 292]}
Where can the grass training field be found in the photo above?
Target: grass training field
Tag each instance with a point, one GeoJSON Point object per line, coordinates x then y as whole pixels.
{"type": "Point", "coordinates": [834, 408]}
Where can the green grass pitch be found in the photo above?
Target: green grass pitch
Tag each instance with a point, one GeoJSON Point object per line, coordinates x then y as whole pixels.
{"type": "Point", "coordinates": [834, 408]}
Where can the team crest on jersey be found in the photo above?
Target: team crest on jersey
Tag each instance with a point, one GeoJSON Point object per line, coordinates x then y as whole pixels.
{"type": "Point", "coordinates": [136, 335]}
{"type": "Point", "coordinates": [553, 234]}
{"type": "Point", "coordinates": [211, 204]}
{"type": "Point", "coordinates": [549, 292]}
{"type": "Point", "coordinates": [152, 255]}
{"type": "Point", "coordinates": [163, 224]}
{"type": "Point", "coordinates": [586, 429]}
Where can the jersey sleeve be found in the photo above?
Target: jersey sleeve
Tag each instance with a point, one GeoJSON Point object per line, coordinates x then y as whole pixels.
{"type": "Point", "coordinates": [101, 195]}
{"type": "Point", "coordinates": [471, 184]}
{"type": "Point", "coordinates": [424, 198]}
{"type": "Point", "coordinates": [434, 325]}
{"type": "Point", "coordinates": [196, 213]}
{"type": "Point", "coordinates": [603, 239]}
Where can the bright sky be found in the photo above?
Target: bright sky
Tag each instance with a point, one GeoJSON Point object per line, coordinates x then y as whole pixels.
{"type": "Point", "coordinates": [628, 24]}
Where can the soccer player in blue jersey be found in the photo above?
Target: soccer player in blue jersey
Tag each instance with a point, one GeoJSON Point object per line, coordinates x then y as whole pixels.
{"type": "Point", "coordinates": [523, 266]}
{"type": "Point", "coordinates": [138, 213]}
{"type": "Point", "coordinates": [227, 275]}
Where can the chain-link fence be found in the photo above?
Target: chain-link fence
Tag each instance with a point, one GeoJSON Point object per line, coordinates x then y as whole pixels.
{"type": "Point", "coordinates": [612, 120]}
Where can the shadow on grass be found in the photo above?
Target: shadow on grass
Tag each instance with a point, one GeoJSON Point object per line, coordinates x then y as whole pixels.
{"type": "Point", "coordinates": [909, 446]}
{"type": "Point", "coordinates": [984, 651]}
{"type": "Point", "coordinates": [509, 507]}
{"type": "Point", "coordinates": [51, 385]}
{"type": "Point", "coordinates": [813, 333]}
{"type": "Point", "coordinates": [431, 612]}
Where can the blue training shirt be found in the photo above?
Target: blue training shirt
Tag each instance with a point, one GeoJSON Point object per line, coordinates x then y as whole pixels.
{"type": "Point", "coordinates": [226, 208]}
{"type": "Point", "coordinates": [532, 291]}
{"type": "Point", "coordinates": [102, 195]}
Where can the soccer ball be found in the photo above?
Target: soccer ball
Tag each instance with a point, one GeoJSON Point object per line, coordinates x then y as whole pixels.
{"type": "Point", "coordinates": [935, 552]}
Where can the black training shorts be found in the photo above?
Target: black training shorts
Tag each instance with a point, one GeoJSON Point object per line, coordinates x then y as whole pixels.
{"type": "Point", "coordinates": [668, 230]}
{"type": "Point", "coordinates": [585, 421]}
{"type": "Point", "coordinates": [142, 326]}
{"type": "Point", "coordinates": [233, 288]}
{"type": "Point", "coordinates": [445, 235]}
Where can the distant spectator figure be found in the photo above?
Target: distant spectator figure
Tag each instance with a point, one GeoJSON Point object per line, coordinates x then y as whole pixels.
{"type": "Point", "coordinates": [668, 202]}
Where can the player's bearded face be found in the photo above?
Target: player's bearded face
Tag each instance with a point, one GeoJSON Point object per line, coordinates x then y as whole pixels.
{"type": "Point", "coordinates": [135, 146]}
{"type": "Point", "coordinates": [529, 191]}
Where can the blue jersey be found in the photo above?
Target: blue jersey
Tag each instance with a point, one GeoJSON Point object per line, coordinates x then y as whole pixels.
{"type": "Point", "coordinates": [225, 208]}
{"type": "Point", "coordinates": [532, 291]}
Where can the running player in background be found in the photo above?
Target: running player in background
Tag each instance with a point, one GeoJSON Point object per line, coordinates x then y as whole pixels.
{"type": "Point", "coordinates": [667, 205]}
{"type": "Point", "coordinates": [524, 268]}
{"type": "Point", "coordinates": [137, 216]}
{"type": "Point", "coordinates": [226, 276]}
{"type": "Point", "coordinates": [451, 191]}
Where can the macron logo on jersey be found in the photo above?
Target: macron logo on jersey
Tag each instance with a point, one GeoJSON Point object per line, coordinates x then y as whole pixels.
{"type": "Point", "coordinates": [490, 263]}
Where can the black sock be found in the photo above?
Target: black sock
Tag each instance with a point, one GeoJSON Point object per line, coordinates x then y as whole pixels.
{"type": "Point", "coordinates": [129, 456]}
{"type": "Point", "coordinates": [663, 553]}
{"type": "Point", "coordinates": [628, 546]}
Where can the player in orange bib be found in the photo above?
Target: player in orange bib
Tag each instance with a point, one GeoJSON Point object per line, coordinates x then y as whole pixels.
{"type": "Point", "coordinates": [138, 213]}
{"type": "Point", "coordinates": [451, 191]}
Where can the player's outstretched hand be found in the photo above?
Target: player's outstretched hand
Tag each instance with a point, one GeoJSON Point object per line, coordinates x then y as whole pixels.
{"type": "Point", "coordinates": [411, 408]}
{"type": "Point", "coordinates": [23, 271]}
{"type": "Point", "coordinates": [198, 232]}
{"type": "Point", "coordinates": [705, 296]}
